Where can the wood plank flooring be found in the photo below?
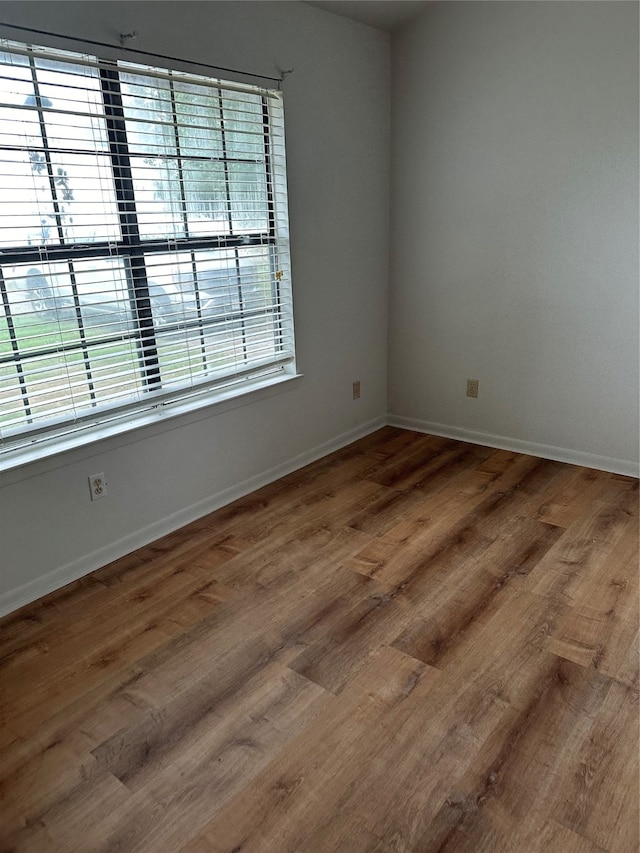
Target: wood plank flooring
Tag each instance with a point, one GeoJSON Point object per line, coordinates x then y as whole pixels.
{"type": "Point", "coordinates": [414, 644]}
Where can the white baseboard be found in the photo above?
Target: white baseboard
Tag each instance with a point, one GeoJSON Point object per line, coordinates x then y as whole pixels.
{"type": "Point", "coordinates": [31, 591]}
{"type": "Point", "coordinates": [533, 448]}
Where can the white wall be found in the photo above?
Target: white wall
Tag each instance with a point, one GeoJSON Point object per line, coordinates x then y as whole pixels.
{"type": "Point", "coordinates": [337, 121]}
{"type": "Point", "coordinates": [515, 227]}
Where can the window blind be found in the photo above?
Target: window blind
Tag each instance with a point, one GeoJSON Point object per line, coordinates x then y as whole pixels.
{"type": "Point", "coordinates": [144, 253]}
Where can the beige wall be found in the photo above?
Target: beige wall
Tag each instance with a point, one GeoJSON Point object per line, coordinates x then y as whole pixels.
{"type": "Point", "coordinates": [515, 227]}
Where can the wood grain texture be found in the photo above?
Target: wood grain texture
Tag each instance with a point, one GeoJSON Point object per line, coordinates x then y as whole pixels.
{"type": "Point", "coordinates": [414, 645]}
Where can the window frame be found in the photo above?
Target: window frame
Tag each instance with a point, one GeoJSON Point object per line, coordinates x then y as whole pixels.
{"type": "Point", "coordinates": [53, 435]}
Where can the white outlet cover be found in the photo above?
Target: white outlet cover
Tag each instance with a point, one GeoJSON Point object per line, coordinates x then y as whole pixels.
{"type": "Point", "coordinates": [97, 486]}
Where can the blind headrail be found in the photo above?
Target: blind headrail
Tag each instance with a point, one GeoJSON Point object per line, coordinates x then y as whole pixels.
{"type": "Point", "coordinates": [146, 53]}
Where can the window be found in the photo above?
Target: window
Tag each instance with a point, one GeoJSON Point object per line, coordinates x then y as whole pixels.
{"type": "Point", "coordinates": [143, 242]}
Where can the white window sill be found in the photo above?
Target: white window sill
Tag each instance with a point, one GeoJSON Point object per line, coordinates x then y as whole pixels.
{"type": "Point", "coordinates": [204, 405]}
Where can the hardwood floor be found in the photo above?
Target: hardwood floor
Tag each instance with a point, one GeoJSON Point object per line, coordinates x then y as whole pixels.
{"type": "Point", "coordinates": [414, 644]}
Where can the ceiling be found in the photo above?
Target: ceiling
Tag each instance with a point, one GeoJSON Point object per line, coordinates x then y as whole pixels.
{"type": "Point", "coordinates": [383, 14]}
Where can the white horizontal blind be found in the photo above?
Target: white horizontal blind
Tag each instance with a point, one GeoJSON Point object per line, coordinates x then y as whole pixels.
{"type": "Point", "coordinates": [143, 239]}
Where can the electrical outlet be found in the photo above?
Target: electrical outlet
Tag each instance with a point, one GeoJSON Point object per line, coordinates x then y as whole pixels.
{"type": "Point", "coordinates": [472, 387]}
{"type": "Point", "coordinates": [356, 390]}
{"type": "Point", "coordinates": [97, 486]}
